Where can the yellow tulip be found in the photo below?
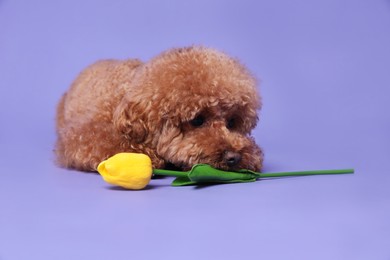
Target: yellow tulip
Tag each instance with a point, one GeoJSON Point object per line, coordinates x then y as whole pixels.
{"type": "Point", "coordinates": [128, 170]}
{"type": "Point", "coordinates": [134, 171]}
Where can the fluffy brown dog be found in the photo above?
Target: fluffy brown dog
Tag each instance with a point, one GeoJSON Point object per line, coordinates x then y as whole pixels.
{"type": "Point", "coordinates": [186, 106]}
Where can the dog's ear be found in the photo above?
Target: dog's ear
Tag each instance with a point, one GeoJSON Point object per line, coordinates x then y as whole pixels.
{"type": "Point", "coordinates": [130, 118]}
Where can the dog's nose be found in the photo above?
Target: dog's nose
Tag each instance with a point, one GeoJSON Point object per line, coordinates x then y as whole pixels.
{"type": "Point", "coordinates": [232, 158]}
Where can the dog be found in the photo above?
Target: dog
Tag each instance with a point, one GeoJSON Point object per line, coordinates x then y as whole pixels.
{"type": "Point", "coordinates": [185, 106]}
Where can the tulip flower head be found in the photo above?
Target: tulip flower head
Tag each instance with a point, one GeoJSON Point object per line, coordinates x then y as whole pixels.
{"type": "Point", "coordinates": [128, 170]}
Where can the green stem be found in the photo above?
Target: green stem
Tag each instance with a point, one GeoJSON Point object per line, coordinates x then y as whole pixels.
{"type": "Point", "coordinates": [304, 173]}
{"type": "Point", "coordinates": [262, 175]}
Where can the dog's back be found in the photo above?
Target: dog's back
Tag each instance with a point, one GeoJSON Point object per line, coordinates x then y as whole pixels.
{"type": "Point", "coordinates": [84, 113]}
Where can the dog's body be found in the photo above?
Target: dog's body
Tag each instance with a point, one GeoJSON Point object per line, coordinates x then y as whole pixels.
{"type": "Point", "coordinates": [186, 106]}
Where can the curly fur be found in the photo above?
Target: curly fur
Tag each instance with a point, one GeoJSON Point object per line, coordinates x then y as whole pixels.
{"type": "Point", "coordinates": [185, 106]}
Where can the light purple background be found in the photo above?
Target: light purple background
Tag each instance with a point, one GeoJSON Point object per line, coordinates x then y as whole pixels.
{"type": "Point", "coordinates": [325, 79]}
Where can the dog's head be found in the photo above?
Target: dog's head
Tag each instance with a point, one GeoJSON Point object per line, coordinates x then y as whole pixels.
{"type": "Point", "coordinates": [194, 105]}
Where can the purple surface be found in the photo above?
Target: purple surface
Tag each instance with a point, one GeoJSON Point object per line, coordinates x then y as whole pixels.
{"type": "Point", "coordinates": [324, 68]}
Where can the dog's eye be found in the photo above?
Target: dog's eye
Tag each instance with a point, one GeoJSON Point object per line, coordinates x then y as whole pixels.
{"type": "Point", "coordinates": [197, 121]}
{"type": "Point", "coordinates": [231, 123]}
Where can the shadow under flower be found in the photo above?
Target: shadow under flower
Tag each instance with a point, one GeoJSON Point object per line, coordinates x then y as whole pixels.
{"type": "Point", "coordinates": [148, 187]}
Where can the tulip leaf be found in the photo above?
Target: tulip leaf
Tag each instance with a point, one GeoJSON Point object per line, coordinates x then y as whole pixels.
{"type": "Point", "coordinates": [182, 181]}
{"type": "Point", "coordinates": [203, 173]}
